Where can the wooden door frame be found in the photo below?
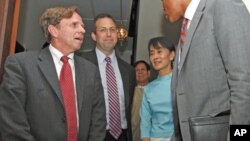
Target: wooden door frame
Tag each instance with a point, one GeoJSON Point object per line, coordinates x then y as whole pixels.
{"type": "Point", "coordinates": [9, 16]}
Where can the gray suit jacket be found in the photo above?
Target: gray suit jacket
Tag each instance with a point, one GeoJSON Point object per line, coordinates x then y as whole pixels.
{"type": "Point", "coordinates": [31, 103]}
{"type": "Point", "coordinates": [128, 79]}
{"type": "Point", "coordinates": [214, 73]}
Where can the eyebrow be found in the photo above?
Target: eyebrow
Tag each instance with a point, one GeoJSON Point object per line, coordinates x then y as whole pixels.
{"type": "Point", "coordinates": [107, 27]}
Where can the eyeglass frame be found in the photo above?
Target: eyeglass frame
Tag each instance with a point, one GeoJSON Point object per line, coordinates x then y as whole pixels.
{"type": "Point", "coordinates": [106, 30]}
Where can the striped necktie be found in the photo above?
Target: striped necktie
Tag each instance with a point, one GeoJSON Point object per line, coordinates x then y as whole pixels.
{"type": "Point", "coordinates": [113, 99]}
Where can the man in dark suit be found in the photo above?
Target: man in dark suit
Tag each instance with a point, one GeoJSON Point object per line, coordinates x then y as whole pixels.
{"type": "Point", "coordinates": [211, 71]}
{"type": "Point", "coordinates": [32, 101]}
{"type": "Point", "coordinates": [105, 35]}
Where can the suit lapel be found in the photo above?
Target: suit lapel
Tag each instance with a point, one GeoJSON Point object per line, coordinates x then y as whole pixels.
{"type": "Point", "coordinates": [191, 31]}
{"type": "Point", "coordinates": [125, 80]}
{"type": "Point", "coordinates": [80, 81]}
{"type": "Point", "coordinates": [93, 57]}
{"type": "Point", "coordinates": [47, 68]}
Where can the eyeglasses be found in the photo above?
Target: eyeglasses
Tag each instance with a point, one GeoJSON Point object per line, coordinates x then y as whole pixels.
{"type": "Point", "coordinates": [106, 30]}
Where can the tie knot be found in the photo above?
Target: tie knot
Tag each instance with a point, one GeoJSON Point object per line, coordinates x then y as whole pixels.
{"type": "Point", "coordinates": [184, 23]}
{"type": "Point", "coordinates": [65, 59]}
{"type": "Point", "coordinates": [108, 60]}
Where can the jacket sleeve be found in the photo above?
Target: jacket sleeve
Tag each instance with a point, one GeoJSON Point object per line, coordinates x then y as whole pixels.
{"type": "Point", "coordinates": [13, 119]}
{"type": "Point", "coordinates": [231, 20]}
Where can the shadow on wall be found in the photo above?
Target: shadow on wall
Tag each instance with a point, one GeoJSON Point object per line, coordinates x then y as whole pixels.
{"type": "Point", "coordinates": [19, 48]}
{"type": "Point", "coordinates": [153, 73]}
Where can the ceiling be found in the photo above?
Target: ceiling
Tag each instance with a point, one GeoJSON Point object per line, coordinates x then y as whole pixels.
{"type": "Point", "coordinates": [119, 9]}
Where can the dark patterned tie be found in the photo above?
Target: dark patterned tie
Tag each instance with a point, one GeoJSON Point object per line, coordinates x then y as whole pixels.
{"type": "Point", "coordinates": [113, 98]}
{"type": "Point", "coordinates": [183, 35]}
{"type": "Point", "coordinates": [68, 93]}
{"type": "Point", "coordinates": [183, 32]}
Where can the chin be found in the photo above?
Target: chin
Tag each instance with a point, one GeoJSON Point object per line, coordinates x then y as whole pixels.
{"type": "Point", "coordinates": [172, 19]}
{"type": "Point", "coordinates": [156, 68]}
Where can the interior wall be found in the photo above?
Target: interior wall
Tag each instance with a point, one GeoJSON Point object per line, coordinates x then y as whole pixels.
{"type": "Point", "coordinates": [152, 23]}
{"type": "Point", "coordinates": [29, 33]}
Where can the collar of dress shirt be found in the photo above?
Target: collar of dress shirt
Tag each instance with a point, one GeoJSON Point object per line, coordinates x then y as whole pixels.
{"type": "Point", "coordinates": [140, 86]}
{"type": "Point", "coordinates": [189, 14]}
{"type": "Point", "coordinates": [101, 56]}
{"type": "Point", "coordinates": [56, 54]}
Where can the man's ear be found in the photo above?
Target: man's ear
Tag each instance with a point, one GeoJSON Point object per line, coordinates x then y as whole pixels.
{"type": "Point", "coordinates": [93, 36]}
{"type": "Point", "coordinates": [52, 30]}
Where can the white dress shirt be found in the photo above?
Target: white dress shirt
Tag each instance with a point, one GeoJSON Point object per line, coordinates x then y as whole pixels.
{"type": "Point", "coordinates": [57, 55]}
{"type": "Point", "coordinates": [189, 14]}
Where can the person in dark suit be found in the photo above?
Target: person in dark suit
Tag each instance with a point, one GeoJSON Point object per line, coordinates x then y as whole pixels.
{"type": "Point", "coordinates": [32, 106]}
{"type": "Point", "coordinates": [211, 71]}
{"type": "Point", "coordinates": [105, 36]}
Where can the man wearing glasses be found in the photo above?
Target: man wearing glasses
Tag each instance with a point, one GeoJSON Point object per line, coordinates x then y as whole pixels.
{"type": "Point", "coordinates": [118, 78]}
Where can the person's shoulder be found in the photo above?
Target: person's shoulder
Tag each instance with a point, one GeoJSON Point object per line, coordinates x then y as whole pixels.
{"type": "Point", "coordinates": [84, 61]}
{"type": "Point", "coordinates": [28, 55]}
{"type": "Point", "coordinates": [152, 84]}
{"type": "Point", "coordinates": [85, 53]}
{"type": "Point", "coordinates": [124, 63]}
{"type": "Point", "coordinates": [26, 59]}
{"type": "Point", "coordinates": [89, 55]}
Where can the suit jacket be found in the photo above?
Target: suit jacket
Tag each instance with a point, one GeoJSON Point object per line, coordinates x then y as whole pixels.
{"type": "Point", "coordinates": [128, 79]}
{"type": "Point", "coordinates": [31, 103]}
{"type": "Point", "coordinates": [214, 73]}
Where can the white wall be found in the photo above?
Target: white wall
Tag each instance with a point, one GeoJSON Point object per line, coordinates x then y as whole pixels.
{"type": "Point", "coordinates": [152, 23]}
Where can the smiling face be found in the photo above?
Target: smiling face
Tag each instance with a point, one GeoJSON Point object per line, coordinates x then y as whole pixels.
{"type": "Point", "coordinates": [105, 35]}
{"type": "Point", "coordinates": [174, 9]}
{"type": "Point", "coordinates": [161, 58]}
{"type": "Point", "coordinates": [142, 74]}
{"type": "Point", "coordinates": [68, 35]}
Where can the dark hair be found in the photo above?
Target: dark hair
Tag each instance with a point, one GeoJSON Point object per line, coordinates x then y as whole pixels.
{"type": "Point", "coordinates": [142, 62]}
{"type": "Point", "coordinates": [161, 41]}
{"type": "Point", "coordinates": [101, 16]}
